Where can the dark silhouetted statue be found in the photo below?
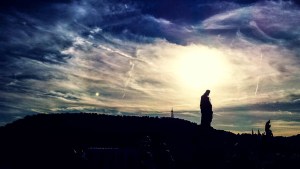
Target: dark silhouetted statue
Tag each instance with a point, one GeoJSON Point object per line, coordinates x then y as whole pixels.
{"type": "Point", "coordinates": [172, 113]}
{"type": "Point", "coordinates": [268, 141]}
{"type": "Point", "coordinates": [206, 110]}
{"type": "Point", "coordinates": [268, 129]}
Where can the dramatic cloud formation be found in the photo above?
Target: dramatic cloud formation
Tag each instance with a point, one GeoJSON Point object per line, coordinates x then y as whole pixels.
{"type": "Point", "coordinates": [142, 58]}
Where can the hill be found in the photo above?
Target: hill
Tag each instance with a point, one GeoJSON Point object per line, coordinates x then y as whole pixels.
{"type": "Point", "coordinates": [102, 141]}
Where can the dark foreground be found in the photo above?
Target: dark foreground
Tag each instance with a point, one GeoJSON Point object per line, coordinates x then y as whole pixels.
{"type": "Point", "coordinates": [90, 141]}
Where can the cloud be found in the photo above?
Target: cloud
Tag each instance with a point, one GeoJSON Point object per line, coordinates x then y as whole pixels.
{"type": "Point", "coordinates": [292, 106]}
{"type": "Point", "coordinates": [137, 56]}
{"type": "Point", "coordinates": [263, 21]}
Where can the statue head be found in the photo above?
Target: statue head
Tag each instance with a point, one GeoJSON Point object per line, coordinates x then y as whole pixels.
{"type": "Point", "coordinates": [207, 93]}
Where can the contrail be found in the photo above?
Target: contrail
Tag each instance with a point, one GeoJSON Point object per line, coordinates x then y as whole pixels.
{"type": "Point", "coordinates": [128, 79]}
{"type": "Point", "coordinates": [120, 53]}
{"type": "Point", "coordinates": [258, 78]}
{"type": "Point", "coordinates": [131, 62]}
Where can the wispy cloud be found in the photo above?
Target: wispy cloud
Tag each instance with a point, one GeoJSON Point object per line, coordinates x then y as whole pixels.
{"type": "Point", "coordinates": [129, 58]}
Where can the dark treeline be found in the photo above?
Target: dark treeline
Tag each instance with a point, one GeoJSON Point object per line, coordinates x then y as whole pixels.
{"type": "Point", "coordinates": [102, 141]}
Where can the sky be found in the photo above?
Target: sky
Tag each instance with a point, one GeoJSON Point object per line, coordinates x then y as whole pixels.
{"type": "Point", "coordinates": [126, 57]}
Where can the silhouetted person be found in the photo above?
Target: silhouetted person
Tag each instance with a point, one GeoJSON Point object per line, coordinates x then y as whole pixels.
{"type": "Point", "coordinates": [206, 110]}
{"type": "Point", "coordinates": [268, 129]}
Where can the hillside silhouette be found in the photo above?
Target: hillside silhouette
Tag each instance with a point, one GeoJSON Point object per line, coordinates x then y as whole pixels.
{"type": "Point", "coordinates": [101, 141]}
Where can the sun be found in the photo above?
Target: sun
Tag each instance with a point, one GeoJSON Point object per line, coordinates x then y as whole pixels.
{"type": "Point", "coordinates": [201, 67]}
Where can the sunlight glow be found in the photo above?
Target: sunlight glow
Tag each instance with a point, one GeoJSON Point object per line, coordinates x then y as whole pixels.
{"type": "Point", "coordinates": [202, 67]}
